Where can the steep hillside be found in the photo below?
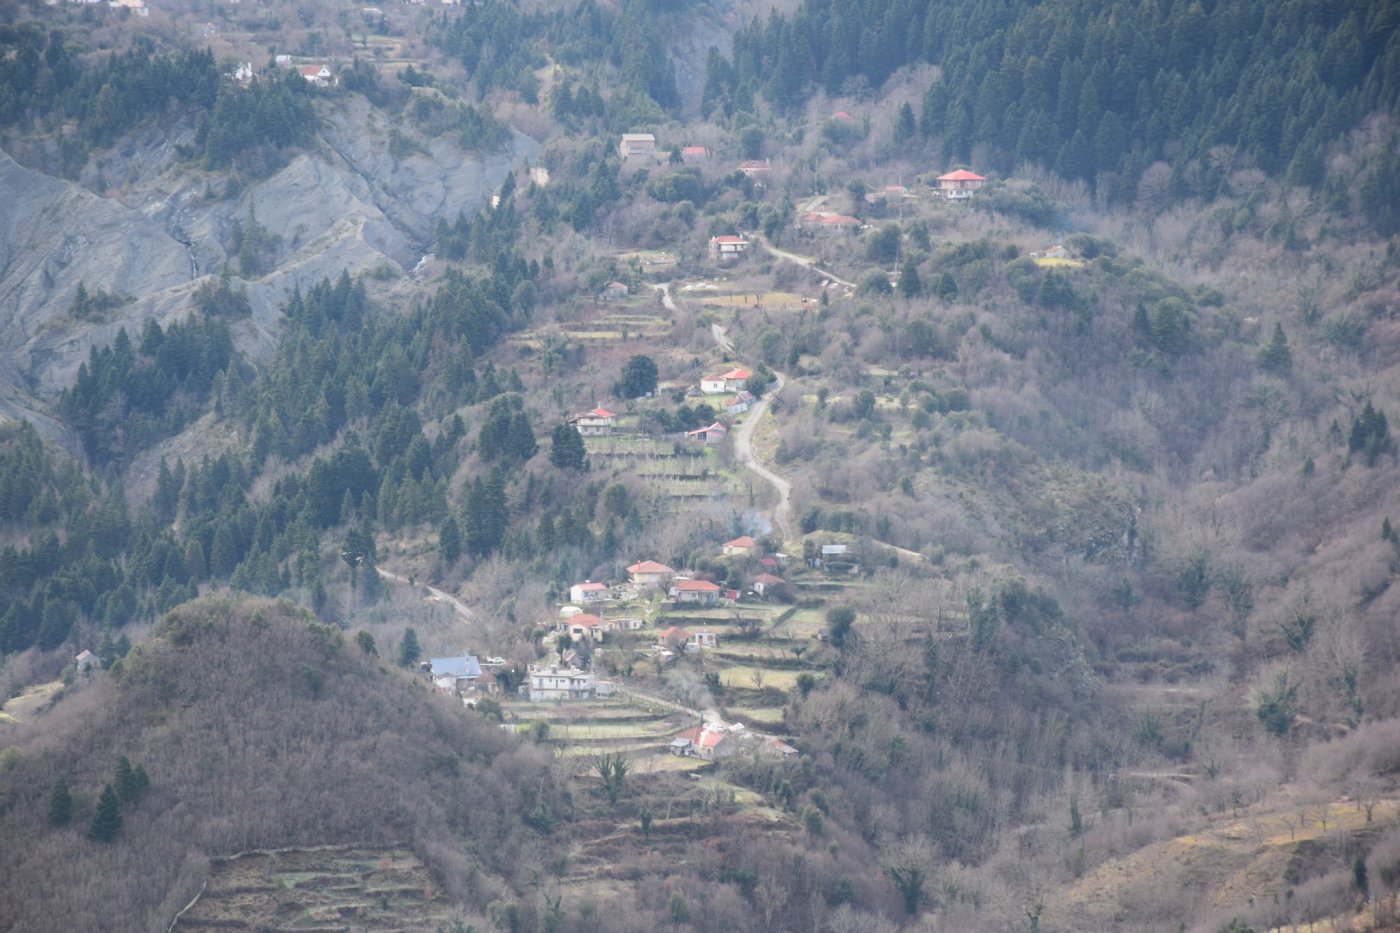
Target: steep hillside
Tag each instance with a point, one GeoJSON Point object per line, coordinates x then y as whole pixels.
{"type": "Point", "coordinates": [148, 246]}
{"type": "Point", "coordinates": [257, 727]}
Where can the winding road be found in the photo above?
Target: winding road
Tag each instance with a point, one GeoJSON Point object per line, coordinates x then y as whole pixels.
{"type": "Point", "coordinates": [743, 436]}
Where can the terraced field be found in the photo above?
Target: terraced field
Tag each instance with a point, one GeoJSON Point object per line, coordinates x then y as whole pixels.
{"type": "Point", "coordinates": [327, 888]}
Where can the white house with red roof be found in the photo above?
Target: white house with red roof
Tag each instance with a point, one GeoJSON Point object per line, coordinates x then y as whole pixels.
{"type": "Point", "coordinates": [584, 627]}
{"type": "Point", "coordinates": [712, 385]}
{"type": "Point", "coordinates": [755, 168]}
{"type": "Point", "coordinates": [736, 379]}
{"type": "Point", "coordinates": [319, 75]}
{"type": "Point", "coordinates": [707, 741]}
{"type": "Point", "coordinates": [597, 421]}
{"type": "Point", "coordinates": [742, 546]}
{"type": "Point", "coordinates": [696, 592]}
{"type": "Point", "coordinates": [767, 583]}
{"type": "Point", "coordinates": [828, 222]}
{"type": "Point", "coordinates": [695, 154]}
{"type": "Point", "coordinates": [650, 574]}
{"type": "Point", "coordinates": [959, 185]}
{"type": "Point", "coordinates": [588, 592]}
{"type": "Point", "coordinates": [727, 248]}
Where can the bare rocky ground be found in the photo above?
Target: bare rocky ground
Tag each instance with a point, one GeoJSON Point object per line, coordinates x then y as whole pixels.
{"type": "Point", "coordinates": [163, 230]}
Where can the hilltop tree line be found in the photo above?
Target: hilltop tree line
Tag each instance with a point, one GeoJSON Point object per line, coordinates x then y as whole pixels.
{"type": "Point", "coordinates": [42, 78]}
{"type": "Point", "coordinates": [501, 46]}
{"type": "Point", "coordinates": [1097, 92]}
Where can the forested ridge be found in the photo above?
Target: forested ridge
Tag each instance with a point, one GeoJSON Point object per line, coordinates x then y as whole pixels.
{"type": "Point", "coordinates": [1096, 91]}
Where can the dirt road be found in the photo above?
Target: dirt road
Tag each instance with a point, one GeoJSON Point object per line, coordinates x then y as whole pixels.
{"type": "Point", "coordinates": [744, 453]}
{"type": "Point", "coordinates": [434, 594]}
{"type": "Point", "coordinates": [803, 261]}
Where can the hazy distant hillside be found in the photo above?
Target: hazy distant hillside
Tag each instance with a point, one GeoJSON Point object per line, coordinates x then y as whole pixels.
{"type": "Point", "coordinates": [1069, 504]}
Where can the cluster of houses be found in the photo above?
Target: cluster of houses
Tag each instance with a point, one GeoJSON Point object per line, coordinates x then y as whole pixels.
{"type": "Point", "coordinates": [318, 75]}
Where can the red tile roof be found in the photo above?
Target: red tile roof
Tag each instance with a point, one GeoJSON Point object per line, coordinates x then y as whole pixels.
{"type": "Point", "coordinates": [591, 587]}
{"type": "Point", "coordinates": [741, 541]}
{"type": "Point", "coordinates": [602, 413]}
{"type": "Point", "coordinates": [649, 566]}
{"type": "Point", "coordinates": [584, 619]}
{"type": "Point", "coordinates": [697, 586]}
{"type": "Point", "coordinates": [737, 374]}
{"type": "Point", "coordinates": [961, 174]}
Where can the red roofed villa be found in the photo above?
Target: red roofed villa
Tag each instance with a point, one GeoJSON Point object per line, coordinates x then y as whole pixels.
{"type": "Point", "coordinates": [597, 421]}
{"type": "Point", "coordinates": [649, 573]}
{"type": "Point", "coordinates": [959, 185]}
{"type": "Point", "coordinates": [741, 546]}
{"type": "Point", "coordinates": [696, 592]}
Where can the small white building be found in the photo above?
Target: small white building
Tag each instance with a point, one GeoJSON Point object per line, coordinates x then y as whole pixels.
{"type": "Point", "coordinates": [596, 422]}
{"type": "Point", "coordinates": [588, 592]}
{"type": "Point", "coordinates": [637, 146]}
{"type": "Point", "coordinates": [727, 248]}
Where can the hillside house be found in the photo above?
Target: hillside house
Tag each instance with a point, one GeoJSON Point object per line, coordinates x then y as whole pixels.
{"type": "Point", "coordinates": [728, 248]}
{"type": "Point", "coordinates": [696, 593]}
{"type": "Point", "coordinates": [714, 434]}
{"type": "Point", "coordinates": [596, 422]}
{"type": "Point", "coordinates": [554, 683]}
{"type": "Point", "coordinates": [588, 592]}
{"type": "Point", "coordinates": [1057, 251]}
{"type": "Point", "coordinates": [740, 403]}
{"type": "Point", "coordinates": [649, 574]}
{"type": "Point", "coordinates": [455, 675]}
{"type": "Point", "coordinates": [637, 146]}
{"type": "Point", "coordinates": [828, 222]}
{"type": "Point", "coordinates": [777, 748]}
{"type": "Point", "coordinates": [959, 185]}
{"type": "Point", "coordinates": [736, 379]}
{"type": "Point", "coordinates": [86, 661]}
{"type": "Point", "coordinates": [616, 291]}
{"type": "Point", "coordinates": [708, 742]}
{"type": "Point", "coordinates": [712, 385]}
{"type": "Point", "coordinates": [584, 627]}
{"type": "Point", "coordinates": [756, 168]}
{"type": "Point", "coordinates": [319, 75]}
{"type": "Point", "coordinates": [742, 546]}
{"type": "Point", "coordinates": [691, 154]}
{"type": "Point", "coordinates": [767, 584]}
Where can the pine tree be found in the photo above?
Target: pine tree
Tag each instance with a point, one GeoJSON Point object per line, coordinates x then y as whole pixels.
{"type": "Point", "coordinates": [129, 782]}
{"type": "Point", "coordinates": [450, 540]}
{"type": "Point", "coordinates": [409, 649]}
{"type": "Point", "coordinates": [567, 450]}
{"type": "Point", "coordinates": [107, 821]}
{"type": "Point", "coordinates": [1277, 358]}
{"type": "Point", "coordinates": [60, 804]}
